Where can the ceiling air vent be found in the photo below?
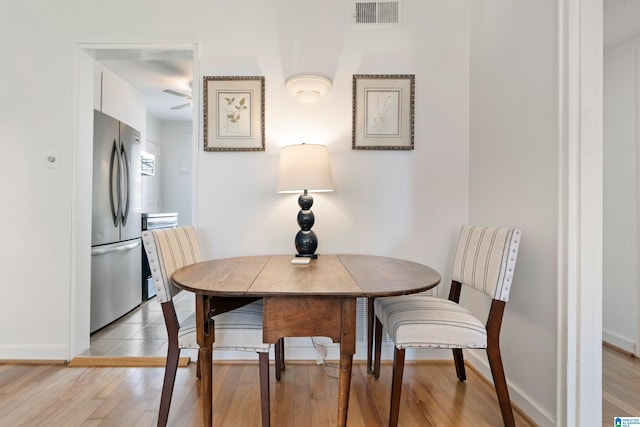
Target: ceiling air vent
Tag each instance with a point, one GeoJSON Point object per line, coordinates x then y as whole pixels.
{"type": "Point", "coordinates": [376, 12]}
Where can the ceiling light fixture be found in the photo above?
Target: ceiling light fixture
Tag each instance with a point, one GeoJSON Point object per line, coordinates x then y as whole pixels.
{"type": "Point", "coordinates": [308, 87]}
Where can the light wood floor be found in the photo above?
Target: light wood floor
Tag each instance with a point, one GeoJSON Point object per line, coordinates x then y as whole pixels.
{"type": "Point", "coordinates": [57, 395]}
{"type": "Point", "coordinates": [620, 385]}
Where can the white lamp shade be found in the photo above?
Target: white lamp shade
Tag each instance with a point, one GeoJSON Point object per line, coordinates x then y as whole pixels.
{"type": "Point", "coordinates": [304, 167]}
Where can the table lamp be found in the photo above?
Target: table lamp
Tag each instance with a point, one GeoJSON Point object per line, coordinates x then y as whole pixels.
{"type": "Point", "coordinates": [305, 168]}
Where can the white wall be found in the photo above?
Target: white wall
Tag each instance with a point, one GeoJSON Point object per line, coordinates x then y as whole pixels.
{"type": "Point", "coordinates": [620, 300]}
{"type": "Point", "coordinates": [514, 181]}
{"type": "Point", "coordinates": [175, 163]}
{"type": "Point", "coordinates": [385, 202]}
{"type": "Point", "coordinates": [37, 248]}
{"type": "Point", "coordinates": [152, 184]}
{"type": "Point", "coordinates": [171, 188]}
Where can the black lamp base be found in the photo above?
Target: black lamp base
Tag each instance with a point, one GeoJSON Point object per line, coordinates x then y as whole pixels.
{"type": "Point", "coordinates": [306, 240]}
{"type": "Point", "coordinates": [306, 244]}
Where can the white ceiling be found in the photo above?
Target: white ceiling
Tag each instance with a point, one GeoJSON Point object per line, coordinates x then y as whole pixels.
{"type": "Point", "coordinates": [151, 71]}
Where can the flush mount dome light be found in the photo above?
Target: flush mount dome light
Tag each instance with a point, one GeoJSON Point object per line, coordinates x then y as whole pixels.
{"type": "Point", "coordinates": [308, 87]}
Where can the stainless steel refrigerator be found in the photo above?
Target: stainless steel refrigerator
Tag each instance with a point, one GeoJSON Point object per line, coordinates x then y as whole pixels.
{"type": "Point", "coordinates": [116, 249]}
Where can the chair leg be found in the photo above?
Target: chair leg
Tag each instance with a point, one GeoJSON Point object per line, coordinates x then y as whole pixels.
{"type": "Point", "coordinates": [263, 366]}
{"type": "Point", "coordinates": [370, 328]}
{"type": "Point", "coordinates": [282, 357]}
{"type": "Point", "coordinates": [499, 379]}
{"type": "Point", "coordinates": [495, 361]}
{"type": "Point", "coordinates": [458, 359]}
{"type": "Point", "coordinates": [198, 372]}
{"type": "Point", "coordinates": [279, 356]}
{"type": "Point", "coordinates": [396, 386]}
{"type": "Point", "coordinates": [171, 367]}
{"type": "Point", "coordinates": [378, 348]}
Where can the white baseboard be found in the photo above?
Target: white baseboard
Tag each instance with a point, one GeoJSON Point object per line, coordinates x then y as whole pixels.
{"type": "Point", "coordinates": [34, 352]}
{"type": "Point", "coordinates": [618, 341]}
{"type": "Point", "coordinates": [519, 398]}
{"type": "Point", "coordinates": [303, 349]}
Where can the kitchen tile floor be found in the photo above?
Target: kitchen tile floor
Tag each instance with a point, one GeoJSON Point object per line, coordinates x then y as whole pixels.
{"type": "Point", "coordinates": [140, 333]}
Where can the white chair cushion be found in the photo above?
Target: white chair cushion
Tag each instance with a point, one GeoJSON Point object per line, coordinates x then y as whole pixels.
{"type": "Point", "coordinates": [239, 329]}
{"type": "Point", "coordinates": [421, 321]}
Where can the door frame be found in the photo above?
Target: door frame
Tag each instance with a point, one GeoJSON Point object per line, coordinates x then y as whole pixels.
{"type": "Point", "coordinates": [579, 361]}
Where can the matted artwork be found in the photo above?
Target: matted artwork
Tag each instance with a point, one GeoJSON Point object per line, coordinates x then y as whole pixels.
{"type": "Point", "coordinates": [233, 113]}
{"type": "Point", "coordinates": [383, 113]}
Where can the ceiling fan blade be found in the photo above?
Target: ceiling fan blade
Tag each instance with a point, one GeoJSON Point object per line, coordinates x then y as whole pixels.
{"type": "Point", "coordinates": [173, 92]}
{"type": "Point", "coordinates": [180, 107]}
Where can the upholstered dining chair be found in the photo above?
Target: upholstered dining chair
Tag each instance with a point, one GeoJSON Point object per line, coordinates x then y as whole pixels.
{"type": "Point", "coordinates": [239, 328]}
{"type": "Point", "coordinates": [485, 260]}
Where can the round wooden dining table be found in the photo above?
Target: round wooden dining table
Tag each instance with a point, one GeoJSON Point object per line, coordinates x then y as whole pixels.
{"type": "Point", "coordinates": [299, 300]}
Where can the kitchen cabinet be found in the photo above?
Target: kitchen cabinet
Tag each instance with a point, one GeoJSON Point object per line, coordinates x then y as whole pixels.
{"type": "Point", "coordinates": [118, 99]}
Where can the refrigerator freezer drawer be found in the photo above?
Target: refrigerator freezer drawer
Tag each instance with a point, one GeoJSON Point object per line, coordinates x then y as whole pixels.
{"type": "Point", "coordinates": [115, 281]}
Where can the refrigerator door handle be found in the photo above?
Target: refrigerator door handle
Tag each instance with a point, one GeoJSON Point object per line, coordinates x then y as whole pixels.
{"type": "Point", "coordinates": [111, 249]}
{"type": "Point", "coordinates": [114, 163]}
{"type": "Point", "coordinates": [125, 195]}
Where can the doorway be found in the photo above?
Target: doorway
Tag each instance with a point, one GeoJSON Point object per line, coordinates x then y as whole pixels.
{"type": "Point", "coordinates": [621, 296]}
{"type": "Point", "coordinates": [154, 74]}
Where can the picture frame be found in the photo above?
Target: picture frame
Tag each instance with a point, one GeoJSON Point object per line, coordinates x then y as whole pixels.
{"type": "Point", "coordinates": [383, 111]}
{"type": "Point", "coordinates": [233, 108]}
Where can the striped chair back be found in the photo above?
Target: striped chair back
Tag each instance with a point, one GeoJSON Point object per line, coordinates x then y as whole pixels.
{"type": "Point", "coordinates": [485, 259]}
{"type": "Point", "coordinates": [169, 249]}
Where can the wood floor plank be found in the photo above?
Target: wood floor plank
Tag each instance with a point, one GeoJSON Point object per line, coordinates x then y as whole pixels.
{"type": "Point", "coordinates": [361, 390]}
{"type": "Point", "coordinates": [620, 385]}
{"type": "Point", "coordinates": [38, 387]}
{"type": "Point", "coordinates": [318, 385]}
{"type": "Point", "coordinates": [302, 403]}
{"type": "Point", "coordinates": [425, 400]}
{"type": "Point", "coordinates": [282, 399]}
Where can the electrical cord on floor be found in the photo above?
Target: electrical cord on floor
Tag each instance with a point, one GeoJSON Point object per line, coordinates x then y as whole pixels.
{"type": "Point", "coordinates": [321, 349]}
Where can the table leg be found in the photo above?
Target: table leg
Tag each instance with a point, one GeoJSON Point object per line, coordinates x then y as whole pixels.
{"type": "Point", "coordinates": [347, 350]}
{"type": "Point", "coordinates": [370, 331]}
{"type": "Point", "coordinates": [204, 358]}
{"type": "Point", "coordinates": [205, 337]}
{"type": "Point", "coordinates": [346, 363]}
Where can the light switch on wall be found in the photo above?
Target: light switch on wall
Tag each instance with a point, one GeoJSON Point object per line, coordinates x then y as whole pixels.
{"type": "Point", "coordinates": [52, 160]}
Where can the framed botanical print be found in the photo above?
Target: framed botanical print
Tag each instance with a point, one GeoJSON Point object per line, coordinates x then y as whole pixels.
{"type": "Point", "coordinates": [383, 111]}
{"type": "Point", "coordinates": [233, 113]}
